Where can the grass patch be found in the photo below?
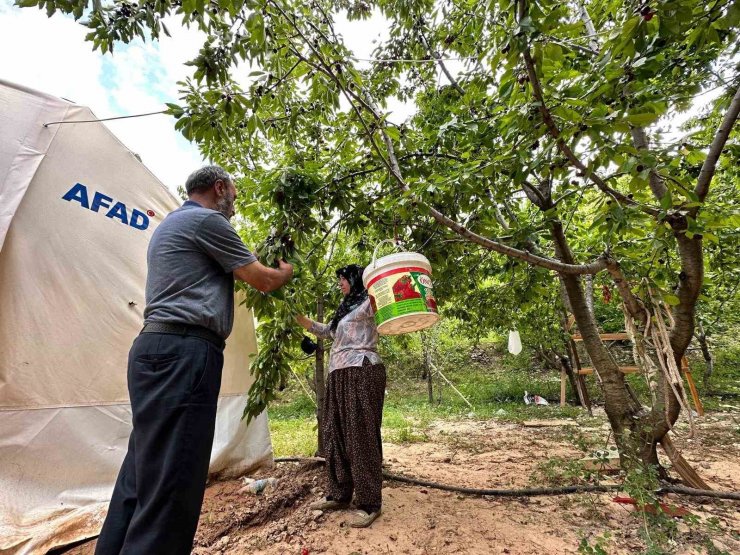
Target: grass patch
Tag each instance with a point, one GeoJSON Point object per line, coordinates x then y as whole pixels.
{"type": "Point", "coordinates": [293, 425]}
{"type": "Point", "coordinates": [295, 436]}
{"type": "Point", "coordinates": [407, 413]}
{"type": "Point", "coordinates": [495, 393]}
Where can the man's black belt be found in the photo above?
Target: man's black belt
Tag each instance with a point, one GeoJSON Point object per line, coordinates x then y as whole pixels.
{"type": "Point", "coordinates": [185, 329]}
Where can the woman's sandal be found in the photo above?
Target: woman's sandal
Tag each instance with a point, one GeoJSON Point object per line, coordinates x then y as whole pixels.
{"type": "Point", "coordinates": [363, 519]}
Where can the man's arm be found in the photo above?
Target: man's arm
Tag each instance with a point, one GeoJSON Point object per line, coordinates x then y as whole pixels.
{"type": "Point", "coordinates": [263, 278]}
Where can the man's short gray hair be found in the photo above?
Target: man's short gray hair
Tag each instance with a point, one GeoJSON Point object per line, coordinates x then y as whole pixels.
{"type": "Point", "coordinates": [205, 177]}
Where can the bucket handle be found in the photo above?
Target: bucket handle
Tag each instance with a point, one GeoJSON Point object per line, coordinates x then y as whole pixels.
{"type": "Point", "coordinates": [375, 252]}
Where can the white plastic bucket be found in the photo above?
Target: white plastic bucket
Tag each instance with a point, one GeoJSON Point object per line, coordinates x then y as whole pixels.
{"type": "Point", "coordinates": [401, 293]}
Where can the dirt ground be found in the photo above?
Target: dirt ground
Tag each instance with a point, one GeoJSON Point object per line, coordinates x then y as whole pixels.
{"type": "Point", "coordinates": [482, 454]}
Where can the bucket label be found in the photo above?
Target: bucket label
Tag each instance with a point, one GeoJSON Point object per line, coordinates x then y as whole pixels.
{"type": "Point", "coordinates": [401, 291]}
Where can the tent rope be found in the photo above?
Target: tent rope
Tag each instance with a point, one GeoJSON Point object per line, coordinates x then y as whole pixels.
{"type": "Point", "coordinates": [105, 119]}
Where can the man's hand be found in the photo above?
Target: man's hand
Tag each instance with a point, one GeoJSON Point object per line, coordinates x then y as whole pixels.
{"type": "Point", "coordinates": [287, 268]}
{"type": "Point", "coordinates": [263, 278]}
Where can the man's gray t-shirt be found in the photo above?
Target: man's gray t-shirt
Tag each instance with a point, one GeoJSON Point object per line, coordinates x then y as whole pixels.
{"type": "Point", "coordinates": [190, 261]}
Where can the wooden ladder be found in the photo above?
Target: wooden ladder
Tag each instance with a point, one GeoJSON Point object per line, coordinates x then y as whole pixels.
{"type": "Point", "coordinates": [622, 336]}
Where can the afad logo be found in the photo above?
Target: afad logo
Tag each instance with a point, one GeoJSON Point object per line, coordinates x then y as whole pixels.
{"type": "Point", "coordinates": [134, 218]}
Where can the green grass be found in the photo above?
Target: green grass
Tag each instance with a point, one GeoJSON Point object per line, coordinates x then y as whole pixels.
{"type": "Point", "coordinates": [294, 437]}
{"type": "Point", "coordinates": [293, 425]}
{"type": "Point", "coordinates": [407, 413]}
{"type": "Point", "coordinates": [494, 393]}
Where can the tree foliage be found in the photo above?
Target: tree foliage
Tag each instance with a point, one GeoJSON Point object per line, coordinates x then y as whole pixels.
{"type": "Point", "coordinates": [550, 142]}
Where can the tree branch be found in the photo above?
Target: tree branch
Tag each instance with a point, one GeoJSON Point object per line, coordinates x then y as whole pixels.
{"type": "Point", "coordinates": [535, 195]}
{"type": "Point", "coordinates": [431, 155]}
{"type": "Point", "coordinates": [549, 263]}
{"type": "Point", "coordinates": [404, 157]}
{"type": "Point", "coordinates": [284, 76]}
{"type": "Point", "coordinates": [718, 143]}
{"type": "Point", "coordinates": [392, 164]}
{"type": "Point", "coordinates": [633, 304]}
{"type": "Point", "coordinates": [555, 132]}
{"type": "Point", "coordinates": [500, 218]}
{"type": "Point", "coordinates": [328, 231]}
{"type": "Point", "coordinates": [657, 185]}
{"type": "Point", "coordinates": [590, 29]}
{"type": "Point", "coordinates": [442, 65]}
{"type": "Point", "coordinates": [357, 174]}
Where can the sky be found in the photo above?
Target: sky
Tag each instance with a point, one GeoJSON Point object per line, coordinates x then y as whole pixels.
{"type": "Point", "coordinates": [51, 56]}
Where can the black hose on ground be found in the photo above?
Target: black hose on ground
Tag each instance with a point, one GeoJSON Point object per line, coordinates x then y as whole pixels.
{"type": "Point", "coordinates": [531, 492]}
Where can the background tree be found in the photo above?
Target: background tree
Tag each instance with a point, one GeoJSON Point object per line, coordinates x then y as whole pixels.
{"type": "Point", "coordinates": [548, 146]}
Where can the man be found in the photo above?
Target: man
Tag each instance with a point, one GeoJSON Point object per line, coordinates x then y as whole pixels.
{"type": "Point", "coordinates": [174, 369]}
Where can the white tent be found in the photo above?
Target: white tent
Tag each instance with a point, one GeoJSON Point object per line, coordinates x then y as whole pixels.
{"type": "Point", "coordinates": [77, 210]}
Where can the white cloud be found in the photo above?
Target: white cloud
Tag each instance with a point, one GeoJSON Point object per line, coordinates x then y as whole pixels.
{"type": "Point", "coordinates": [51, 55]}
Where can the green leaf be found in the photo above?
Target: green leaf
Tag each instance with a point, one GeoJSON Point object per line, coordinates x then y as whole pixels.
{"type": "Point", "coordinates": [711, 237]}
{"type": "Point", "coordinates": [393, 133]}
{"type": "Point", "coordinates": [666, 203]}
{"type": "Point", "coordinates": [642, 119]}
{"type": "Point", "coordinates": [671, 299]}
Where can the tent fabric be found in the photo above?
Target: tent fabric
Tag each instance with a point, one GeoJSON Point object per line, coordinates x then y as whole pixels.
{"type": "Point", "coordinates": [21, 153]}
{"type": "Point", "coordinates": [77, 210]}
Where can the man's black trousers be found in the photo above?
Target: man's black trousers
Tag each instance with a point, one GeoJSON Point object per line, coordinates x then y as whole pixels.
{"type": "Point", "coordinates": [173, 383]}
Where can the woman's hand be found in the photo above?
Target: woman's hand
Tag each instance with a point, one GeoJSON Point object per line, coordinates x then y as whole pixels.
{"type": "Point", "coordinates": [303, 321]}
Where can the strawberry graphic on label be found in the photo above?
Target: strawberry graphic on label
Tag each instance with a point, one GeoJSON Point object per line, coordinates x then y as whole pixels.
{"type": "Point", "coordinates": [403, 289]}
{"type": "Point", "coordinates": [373, 303]}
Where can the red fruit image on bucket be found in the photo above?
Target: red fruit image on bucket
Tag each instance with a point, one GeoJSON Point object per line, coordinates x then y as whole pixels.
{"type": "Point", "coordinates": [404, 289]}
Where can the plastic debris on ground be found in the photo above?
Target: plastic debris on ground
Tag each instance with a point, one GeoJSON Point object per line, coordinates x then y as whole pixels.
{"type": "Point", "coordinates": [534, 399]}
{"type": "Point", "coordinates": [670, 510]}
{"type": "Point", "coordinates": [258, 487]}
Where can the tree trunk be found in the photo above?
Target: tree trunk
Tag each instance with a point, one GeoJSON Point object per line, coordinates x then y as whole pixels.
{"type": "Point", "coordinates": [427, 354]}
{"type": "Point", "coordinates": [318, 377]}
{"type": "Point", "coordinates": [619, 406]}
{"type": "Point", "coordinates": [589, 280]}
{"type": "Point", "coordinates": [663, 416]}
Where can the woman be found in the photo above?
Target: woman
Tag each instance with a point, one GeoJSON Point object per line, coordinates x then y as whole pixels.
{"type": "Point", "coordinates": [353, 404]}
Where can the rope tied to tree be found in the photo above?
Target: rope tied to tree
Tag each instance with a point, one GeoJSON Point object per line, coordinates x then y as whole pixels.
{"type": "Point", "coordinates": [662, 342]}
{"type": "Point", "coordinates": [659, 332]}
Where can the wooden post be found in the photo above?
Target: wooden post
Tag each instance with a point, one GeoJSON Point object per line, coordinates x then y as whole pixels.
{"type": "Point", "coordinates": [580, 381]}
{"type": "Point", "coordinates": [692, 386]}
{"type": "Point", "coordinates": [563, 377]}
{"type": "Point", "coordinates": [318, 376]}
{"type": "Point", "coordinates": [427, 356]}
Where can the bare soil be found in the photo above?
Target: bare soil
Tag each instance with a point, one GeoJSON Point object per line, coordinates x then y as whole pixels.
{"type": "Point", "coordinates": [482, 454]}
